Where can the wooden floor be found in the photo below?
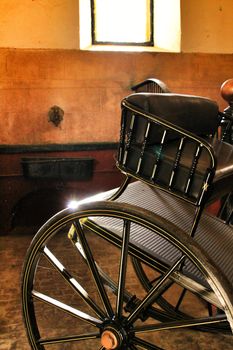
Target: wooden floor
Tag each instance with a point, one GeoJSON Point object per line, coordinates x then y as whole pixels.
{"type": "Point", "coordinates": [12, 335]}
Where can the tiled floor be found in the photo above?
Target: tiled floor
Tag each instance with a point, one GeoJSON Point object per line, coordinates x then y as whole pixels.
{"type": "Point", "coordinates": [12, 334]}
{"type": "Point", "coordinates": [12, 252]}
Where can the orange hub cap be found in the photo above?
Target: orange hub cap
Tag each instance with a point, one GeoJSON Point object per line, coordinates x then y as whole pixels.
{"type": "Point", "coordinates": [109, 340]}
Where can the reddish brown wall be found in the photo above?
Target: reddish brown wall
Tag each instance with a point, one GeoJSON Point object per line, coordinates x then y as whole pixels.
{"type": "Point", "coordinates": [89, 86]}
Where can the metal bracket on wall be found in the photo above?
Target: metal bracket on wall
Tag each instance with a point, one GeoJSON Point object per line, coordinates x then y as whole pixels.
{"type": "Point", "coordinates": [55, 115]}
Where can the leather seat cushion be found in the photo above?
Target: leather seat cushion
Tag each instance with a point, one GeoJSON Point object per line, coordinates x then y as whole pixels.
{"type": "Point", "coordinates": [198, 115]}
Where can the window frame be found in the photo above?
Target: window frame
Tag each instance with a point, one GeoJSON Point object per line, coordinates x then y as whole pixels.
{"type": "Point", "coordinates": [149, 43]}
{"type": "Point", "coordinates": [166, 31]}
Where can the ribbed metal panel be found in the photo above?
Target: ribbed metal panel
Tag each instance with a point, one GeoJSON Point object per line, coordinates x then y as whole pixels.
{"type": "Point", "coordinates": [212, 234]}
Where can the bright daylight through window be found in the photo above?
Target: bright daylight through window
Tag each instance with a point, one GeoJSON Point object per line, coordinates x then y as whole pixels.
{"type": "Point", "coordinates": [129, 25]}
{"type": "Point", "coordinates": [122, 22]}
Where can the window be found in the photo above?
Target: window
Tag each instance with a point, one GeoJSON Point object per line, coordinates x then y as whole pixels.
{"type": "Point", "coordinates": [130, 25]}
{"type": "Point", "coordinates": [122, 22]}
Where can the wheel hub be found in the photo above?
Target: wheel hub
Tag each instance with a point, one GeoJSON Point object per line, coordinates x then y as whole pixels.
{"type": "Point", "coordinates": [111, 338]}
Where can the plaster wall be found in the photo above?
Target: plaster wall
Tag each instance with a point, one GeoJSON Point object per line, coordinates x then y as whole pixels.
{"type": "Point", "coordinates": [41, 66]}
{"type": "Point", "coordinates": [46, 24]}
{"type": "Point", "coordinates": [207, 26]}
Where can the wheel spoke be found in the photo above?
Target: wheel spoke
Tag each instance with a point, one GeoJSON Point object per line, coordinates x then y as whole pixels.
{"type": "Point", "coordinates": [93, 268]}
{"type": "Point", "coordinates": [145, 345]}
{"type": "Point", "coordinates": [210, 309]}
{"type": "Point", "coordinates": [133, 347]}
{"type": "Point", "coordinates": [152, 312]}
{"type": "Point", "coordinates": [73, 282]}
{"type": "Point", "coordinates": [180, 324]}
{"type": "Point", "coordinates": [148, 284]}
{"type": "Point", "coordinates": [150, 297]}
{"type": "Point", "coordinates": [154, 280]}
{"type": "Point", "coordinates": [73, 236]}
{"type": "Point", "coordinates": [163, 287]}
{"type": "Point", "coordinates": [122, 268]}
{"type": "Point", "coordinates": [72, 338]}
{"type": "Point", "coordinates": [182, 295]}
{"type": "Point", "coordinates": [67, 309]}
{"type": "Point", "coordinates": [108, 281]}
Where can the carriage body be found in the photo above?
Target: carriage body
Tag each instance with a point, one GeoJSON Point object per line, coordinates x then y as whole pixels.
{"type": "Point", "coordinates": [165, 241]}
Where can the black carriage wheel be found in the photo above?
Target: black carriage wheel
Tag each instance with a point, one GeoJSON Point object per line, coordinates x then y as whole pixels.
{"type": "Point", "coordinates": [69, 304]}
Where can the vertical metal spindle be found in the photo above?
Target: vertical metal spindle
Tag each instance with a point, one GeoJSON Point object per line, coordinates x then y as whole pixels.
{"type": "Point", "coordinates": [193, 168]}
{"type": "Point", "coordinates": [159, 155]}
{"type": "Point", "coordinates": [204, 187]}
{"type": "Point", "coordinates": [129, 138]}
{"type": "Point", "coordinates": [122, 135]}
{"type": "Point", "coordinates": [143, 147]}
{"type": "Point", "coordinates": [177, 160]}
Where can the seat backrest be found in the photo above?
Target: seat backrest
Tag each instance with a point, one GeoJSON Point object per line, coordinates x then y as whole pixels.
{"type": "Point", "coordinates": [164, 142]}
{"type": "Point", "coordinates": [151, 85]}
{"type": "Point", "coordinates": [198, 115]}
